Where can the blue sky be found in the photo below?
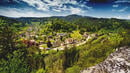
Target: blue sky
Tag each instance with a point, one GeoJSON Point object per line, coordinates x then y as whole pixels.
{"type": "Point", "coordinates": [46, 8]}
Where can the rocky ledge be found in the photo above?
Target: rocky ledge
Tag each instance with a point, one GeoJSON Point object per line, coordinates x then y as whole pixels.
{"type": "Point", "coordinates": [117, 62]}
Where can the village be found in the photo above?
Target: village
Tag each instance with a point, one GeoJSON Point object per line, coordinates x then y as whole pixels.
{"type": "Point", "coordinates": [56, 41]}
{"type": "Point", "coordinates": [64, 36]}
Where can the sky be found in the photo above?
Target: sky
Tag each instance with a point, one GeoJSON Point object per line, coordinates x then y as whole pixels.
{"type": "Point", "coordinates": [46, 8]}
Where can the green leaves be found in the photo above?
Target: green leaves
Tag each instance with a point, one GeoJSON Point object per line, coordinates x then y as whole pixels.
{"type": "Point", "coordinates": [115, 39]}
{"type": "Point", "coordinates": [41, 71]}
{"type": "Point", "coordinates": [7, 37]}
{"type": "Point", "coordinates": [73, 69]}
{"type": "Point", "coordinates": [76, 35]}
{"type": "Point", "coordinates": [15, 63]}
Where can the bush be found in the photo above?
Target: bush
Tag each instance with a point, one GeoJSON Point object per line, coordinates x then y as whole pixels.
{"type": "Point", "coordinates": [41, 71]}
{"type": "Point", "coordinates": [73, 69]}
{"type": "Point", "coordinates": [15, 63]}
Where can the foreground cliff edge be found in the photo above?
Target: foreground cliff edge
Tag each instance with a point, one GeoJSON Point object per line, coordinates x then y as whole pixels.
{"type": "Point", "coordinates": [117, 62]}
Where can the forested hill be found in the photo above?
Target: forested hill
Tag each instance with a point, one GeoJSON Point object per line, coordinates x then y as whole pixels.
{"type": "Point", "coordinates": [72, 22]}
{"type": "Point", "coordinates": [84, 23]}
{"type": "Point", "coordinates": [77, 20]}
{"type": "Point", "coordinates": [66, 18]}
{"type": "Point", "coordinates": [70, 18]}
{"type": "Point", "coordinates": [43, 19]}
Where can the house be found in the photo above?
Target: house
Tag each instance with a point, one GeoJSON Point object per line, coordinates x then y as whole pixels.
{"type": "Point", "coordinates": [22, 34]}
{"type": "Point", "coordinates": [29, 29]}
{"type": "Point", "coordinates": [32, 36]}
{"type": "Point", "coordinates": [57, 43]}
{"type": "Point", "coordinates": [50, 37]}
{"type": "Point", "coordinates": [43, 35]}
{"type": "Point", "coordinates": [62, 44]}
{"type": "Point", "coordinates": [69, 41]}
{"type": "Point", "coordinates": [30, 43]}
{"type": "Point", "coordinates": [43, 46]}
{"type": "Point", "coordinates": [94, 35]}
{"type": "Point", "coordinates": [85, 34]}
{"type": "Point", "coordinates": [40, 47]}
{"type": "Point", "coordinates": [41, 42]}
{"type": "Point", "coordinates": [61, 34]}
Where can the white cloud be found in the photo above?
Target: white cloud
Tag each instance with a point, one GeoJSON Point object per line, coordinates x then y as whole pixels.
{"type": "Point", "coordinates": [38, 4]}
{"type": "Point", "coordinates": [122, 17]}
{"type": "Point", "coordinates": [122, 1]}
{"type": "Point", "coordinates": [16, 1]}
{"type": "Point", "coordinates": [119, 17]}
{"type": "Point", "coordinates": [76, 11]}
{"type": "Point", "coordinates": [13, 12]}
{"type": "Point", "coordinates": [56, 5]}
{"type": "Point", "coordinates": [128, 16]}
{"type": "Point", "coordinates": [115, 6]}
{"type": "Point", "coordinates": [123, 9]}
{"type": "Point", "coordinates": [45, 5]}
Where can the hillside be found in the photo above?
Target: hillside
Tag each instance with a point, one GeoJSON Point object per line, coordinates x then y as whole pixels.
{"type": "Point", "coordinates": [63, 44]}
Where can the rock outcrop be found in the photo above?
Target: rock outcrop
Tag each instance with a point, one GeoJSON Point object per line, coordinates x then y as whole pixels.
{"type": "Point", "coordinates": [117, 62]}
